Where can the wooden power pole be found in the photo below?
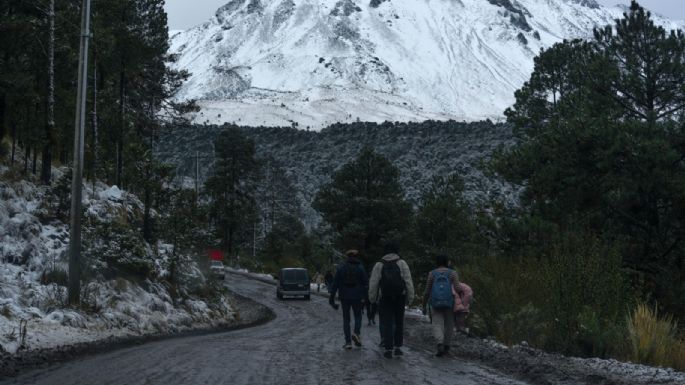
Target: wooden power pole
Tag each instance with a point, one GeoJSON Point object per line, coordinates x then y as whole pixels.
{"type": "Point", "coordinates": [77, 178]}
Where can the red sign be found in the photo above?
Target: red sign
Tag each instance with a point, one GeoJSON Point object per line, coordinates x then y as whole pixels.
{"type": "Point", "coordinates": [216, 255]}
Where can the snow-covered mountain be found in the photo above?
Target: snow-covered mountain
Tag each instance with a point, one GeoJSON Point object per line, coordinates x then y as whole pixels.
{"type": "Point", "coordinates": [317, 62]}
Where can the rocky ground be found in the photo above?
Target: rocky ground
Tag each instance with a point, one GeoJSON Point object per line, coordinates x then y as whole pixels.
{"type": "Point", "coordinates": [537, 367]}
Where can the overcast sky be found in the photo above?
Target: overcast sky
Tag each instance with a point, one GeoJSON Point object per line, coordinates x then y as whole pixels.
{"type": "Point", "coordinates": [184, 14]}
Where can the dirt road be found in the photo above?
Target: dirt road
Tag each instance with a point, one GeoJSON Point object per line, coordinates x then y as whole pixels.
{"type": "Point", "coordinates": [303, 345]}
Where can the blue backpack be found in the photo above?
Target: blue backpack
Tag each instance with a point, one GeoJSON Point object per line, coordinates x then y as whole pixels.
{"type": "Point", "coordinates": [441, 292]}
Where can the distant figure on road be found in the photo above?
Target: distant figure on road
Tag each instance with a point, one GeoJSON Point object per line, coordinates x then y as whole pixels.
{"type": "Point", "coordinates": [352, 282]}
{"type": "Point", "coordinates": [318, 280]}
{"type": "Point", "coordinates": [441, 286]}
{"type": "Point", "coordinates": [328, 279]}
{"type": "Point", "coordinates": [391, 288]}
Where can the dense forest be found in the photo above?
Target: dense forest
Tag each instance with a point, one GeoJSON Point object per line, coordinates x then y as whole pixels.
{"type": "Point", "coordinates": [130, 84]}
{"type": "Point", "coordinates": [308, 158]}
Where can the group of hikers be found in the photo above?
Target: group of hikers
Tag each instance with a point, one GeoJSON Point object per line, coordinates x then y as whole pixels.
{"type": "Point", "coordinates": [388, 290]}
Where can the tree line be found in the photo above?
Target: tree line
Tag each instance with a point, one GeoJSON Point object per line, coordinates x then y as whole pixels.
{"type": "Point", "coordinates": [129, 91]}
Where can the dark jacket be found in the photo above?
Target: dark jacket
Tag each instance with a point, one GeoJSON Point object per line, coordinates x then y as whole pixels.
{"type": "Point", "coordinates": [350, 293]}
{"type": "Point", "coordinates": [328, 279]}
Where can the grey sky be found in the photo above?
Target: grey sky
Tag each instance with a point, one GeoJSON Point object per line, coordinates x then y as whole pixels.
{"type": "Point", "coordinates": [184, 14]}
{"type": "Point", "coordinates": [674, 9]}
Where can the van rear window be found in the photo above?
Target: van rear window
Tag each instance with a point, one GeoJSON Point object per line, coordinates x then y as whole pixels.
{"type": "Point", "coordinates": [295, 276]}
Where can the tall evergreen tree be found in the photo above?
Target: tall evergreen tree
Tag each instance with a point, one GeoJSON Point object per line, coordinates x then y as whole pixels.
{"type": "Point", "coordinates": [232, 188]}
{"type": "Point", "coordinates": [364, 203]}
{"type": "Point", "coordinates": [649, 66]}
{"type": "Point", "coordinates": [600, 141]}
{"type": "Point", "coordinates": [444, 222]}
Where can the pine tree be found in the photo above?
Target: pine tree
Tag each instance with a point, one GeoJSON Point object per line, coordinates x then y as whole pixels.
{"type": "Point", "coordinates": [364, 203]}
{"type": "Point", "coordinates": [649, 65]}
{"type": "Point", "coordinates": [600, 143]}
{"type": "Point", "coordinates": [444, 220]}
{"type": "Point", "coordinates": [232, 188]}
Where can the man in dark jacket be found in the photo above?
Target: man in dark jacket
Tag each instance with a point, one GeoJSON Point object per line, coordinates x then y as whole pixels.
{"type": "Point", "coordinates": [352, 284]}
{"type": "Point", "coordinates": [328, 280]}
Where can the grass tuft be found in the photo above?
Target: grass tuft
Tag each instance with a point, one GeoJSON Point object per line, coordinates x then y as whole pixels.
{"type": "Point", "coordinates": [654, 339]}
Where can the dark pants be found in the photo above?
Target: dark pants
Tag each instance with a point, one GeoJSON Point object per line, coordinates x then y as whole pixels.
{"type": "Point", "coordinates": [357, 309]}
{"type": "Point", "coordinates": [370, 311]}
{"type": "Point", "coordinates": [391, 321]}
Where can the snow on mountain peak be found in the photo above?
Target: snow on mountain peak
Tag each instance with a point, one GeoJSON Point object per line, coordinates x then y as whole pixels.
{"type": "Point", "coordinates": [312, 63]}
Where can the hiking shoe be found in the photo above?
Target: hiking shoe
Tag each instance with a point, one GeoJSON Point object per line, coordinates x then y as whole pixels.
{"type": "Point", "coordinates": [387, 354]}
{"type": "Point", "coordinates": [441, 350]}
{"type": "Point", "coordinates": [399, 352]}
{"type": "Point", "coordinates": [356, 339]}
{"type": "Point", "coordinates": [347, 346]}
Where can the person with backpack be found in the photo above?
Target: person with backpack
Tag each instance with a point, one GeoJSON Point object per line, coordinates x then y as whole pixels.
{"type": "Point", "coordinates": [391, 288]}
{"type": "Point", "coordinates": [441, 285]}
{"type": "Point", "coordinates": [352, 283]}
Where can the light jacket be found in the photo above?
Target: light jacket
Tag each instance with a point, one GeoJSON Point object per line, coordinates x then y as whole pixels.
{"type": "Point", "coordinates": [462, 298]}
{"type": "Point", "coordinates": [374, 283]}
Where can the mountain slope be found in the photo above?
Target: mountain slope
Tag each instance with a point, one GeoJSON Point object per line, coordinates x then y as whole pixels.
{"type": "Point", "coordinates": [317, 62]}
{"type": "Point", "coordinates": [308, 159]}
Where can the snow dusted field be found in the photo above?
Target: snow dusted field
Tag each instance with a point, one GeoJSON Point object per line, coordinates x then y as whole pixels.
{"type": "Point", "coordinates": [33, 248]}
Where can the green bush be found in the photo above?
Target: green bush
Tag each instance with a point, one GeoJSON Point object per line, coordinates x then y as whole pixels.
{"type": "Point", "coordinates": [569, 296]}
{"type": "Point", "coordinates": [115, 249]}
{"type": "Point", "coordinates": [583, 282]}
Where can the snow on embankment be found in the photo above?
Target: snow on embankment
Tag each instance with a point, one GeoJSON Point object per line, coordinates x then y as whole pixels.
{"type": "Point", "coordinates": [33, 263]}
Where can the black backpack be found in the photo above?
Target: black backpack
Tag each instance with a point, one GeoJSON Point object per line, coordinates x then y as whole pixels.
{"type": "Point", "coordinates": [353, 276]}
{"type": "Point", "coordinates": [392, 283]}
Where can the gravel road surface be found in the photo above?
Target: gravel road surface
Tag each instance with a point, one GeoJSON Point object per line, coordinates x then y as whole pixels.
{"type": "Point", "coordinates": [302, 345]}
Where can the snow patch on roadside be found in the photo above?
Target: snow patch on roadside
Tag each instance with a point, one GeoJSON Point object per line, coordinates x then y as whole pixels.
{"type": "Point", "coordinates": [33, 265]}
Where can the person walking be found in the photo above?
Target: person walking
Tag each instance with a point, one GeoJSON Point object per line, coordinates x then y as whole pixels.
{"type": "Point", "coordinates": [352, 284]}
{"type": "Point", "coordinates": [391, 288]}
{"type": "Point", "coordinates": [441, 285]}
{"type": "Point", "coordinates": [328, 280]}
{"type": "Point", "coordinates": [318, 280]}
{"type": "Point", "coordinates": [462, 306]}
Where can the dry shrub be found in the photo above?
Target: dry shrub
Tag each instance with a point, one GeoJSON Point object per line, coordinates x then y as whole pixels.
{"type": "Point", "coordinates": [679, 356]}
{"type": "Point", "coordinates": [653, 339]}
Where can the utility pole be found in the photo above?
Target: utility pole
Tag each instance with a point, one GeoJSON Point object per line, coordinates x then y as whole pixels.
{"type": "Point", "coordinates": [76, 180]}
{"type": "Point", "coordinates": [197, 175]}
